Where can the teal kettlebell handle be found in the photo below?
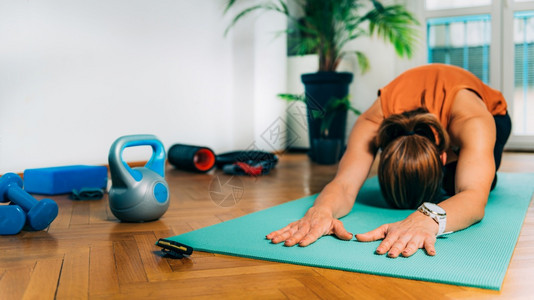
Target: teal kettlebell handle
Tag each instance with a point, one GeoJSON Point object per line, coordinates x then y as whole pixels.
{"type": "Point", "coordinates": [121, 173]}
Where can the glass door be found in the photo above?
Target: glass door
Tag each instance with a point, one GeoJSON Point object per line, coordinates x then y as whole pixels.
{"type": "Point", "coordinates": [518, 70]}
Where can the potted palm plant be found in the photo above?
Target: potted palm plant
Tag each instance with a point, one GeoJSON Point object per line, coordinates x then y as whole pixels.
{"type": "Point", "coordinates": [325, 27]}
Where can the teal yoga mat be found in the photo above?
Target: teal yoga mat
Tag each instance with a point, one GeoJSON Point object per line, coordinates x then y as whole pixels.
{"type": "Point", "coordinates": [476, 257]}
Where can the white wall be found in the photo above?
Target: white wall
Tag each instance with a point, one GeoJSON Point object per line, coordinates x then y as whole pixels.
{"type": "Point", "coordinates": [75, 75]}
{"type": "Point", "coordinates": [259, 75]}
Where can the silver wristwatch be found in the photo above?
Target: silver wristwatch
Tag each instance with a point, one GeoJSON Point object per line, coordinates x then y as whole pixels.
{"type": "Point", "coordinates": [437, 214]}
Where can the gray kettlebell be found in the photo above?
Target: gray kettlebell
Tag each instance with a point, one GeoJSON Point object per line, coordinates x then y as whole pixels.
{"type": "Point", "coordinates": [138, 194]}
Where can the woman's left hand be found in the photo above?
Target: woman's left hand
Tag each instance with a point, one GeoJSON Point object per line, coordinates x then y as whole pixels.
{"type": "Point", "coordinates": [404, 237]}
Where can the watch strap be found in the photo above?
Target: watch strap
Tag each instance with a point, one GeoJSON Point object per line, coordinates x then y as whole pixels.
{"type": "Point", "coordinates": [440, 220]}
{"type": "Point", "coordinates": [442, 223]}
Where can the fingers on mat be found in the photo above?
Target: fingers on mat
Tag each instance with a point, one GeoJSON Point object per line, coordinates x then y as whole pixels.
{"type": "Point", "coordinates": [373, 235]}
{"type": "Point", "coordinates": [313, 235]}
{"type": "Point", "coordinates": [283, 234]}
{"type": "Point", "coordinates": [340, 231]}
{"type": "Point", "coordinates": [429, 245]}
{"type": "Point", "coordinates": [400, 243]}
{"type": "Point", "coordinates": [410, 248]}
{"type": "Point", "coordinates": [298, 235]}
{"type": "Point", "coordinates": [279, 231]}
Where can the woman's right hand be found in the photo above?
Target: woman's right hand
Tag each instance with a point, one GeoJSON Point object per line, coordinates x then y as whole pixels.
{"type": "Point", "coordinates": [311, 227]}
{"type": "Point", "coordinates": [337, 197]}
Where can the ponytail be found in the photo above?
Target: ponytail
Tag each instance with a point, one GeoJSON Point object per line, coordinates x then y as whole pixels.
{"type": "Point", "coordinates": [410, 168]}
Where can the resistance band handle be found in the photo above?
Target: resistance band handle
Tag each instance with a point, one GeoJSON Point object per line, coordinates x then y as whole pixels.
{"type": "Point", "coordinates": [174, 248]}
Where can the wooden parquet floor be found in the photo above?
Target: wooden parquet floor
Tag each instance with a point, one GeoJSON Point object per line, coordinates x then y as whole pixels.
{"type": "Point", "coordinates": [87, 254]}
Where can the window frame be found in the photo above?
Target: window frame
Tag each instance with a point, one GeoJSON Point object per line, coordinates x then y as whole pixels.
{"type": "Point", "coordinates": [502, 49]}
{"type": "Point", "coordinates": [509, 7]}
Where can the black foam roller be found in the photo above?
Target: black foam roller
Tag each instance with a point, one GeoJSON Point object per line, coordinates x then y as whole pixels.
{"type": "Point", "coordinates": [191, 158]}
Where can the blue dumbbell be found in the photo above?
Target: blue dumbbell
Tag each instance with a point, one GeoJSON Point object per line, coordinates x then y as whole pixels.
{"type": "Point", "coordinates": [39, 213]}
{"type": "Point", "coordinates": [12, 219]}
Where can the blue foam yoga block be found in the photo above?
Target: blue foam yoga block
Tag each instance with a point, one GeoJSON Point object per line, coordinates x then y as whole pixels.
{"type": "Point", "coordinates": [62, 180]}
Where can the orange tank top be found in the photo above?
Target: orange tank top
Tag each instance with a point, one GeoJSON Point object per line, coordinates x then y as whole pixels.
{"type": "Point", "coordinates": [434, 87]}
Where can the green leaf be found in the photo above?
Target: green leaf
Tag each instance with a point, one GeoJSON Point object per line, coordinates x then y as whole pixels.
{"type": "Point", "coordinates": [396, 25]}
{"type": "Point", "coordinates": [317, 114]}
{"type": "Point", "coordinates": [363, 62]}
{"type": "Point", "coordinates": [292, 97]}
{"type": "Point", "coordinates": [355, 111]}
{"type": "Point", "coordinates": [267, 6]}
{"type": "Point", "coordinates": [333, 106]}
{"type": "Point", "coordinates": [284, 7]}
{"type": "Point", "coordinates": [242, 14]}
{"type": "Point", "coordinates": [229, 5]}
{"type": "Point", "coordinates": [326, 26]}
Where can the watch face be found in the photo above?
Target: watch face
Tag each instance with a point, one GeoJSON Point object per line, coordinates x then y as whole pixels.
{"type": "Point", "coordinates": [434, 208]}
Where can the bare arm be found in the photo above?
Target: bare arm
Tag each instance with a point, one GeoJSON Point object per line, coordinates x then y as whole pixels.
{"type": "Point", "coordinates": [337, 198]}
{"type": "Point", "coordinates": [475, 134]}
{"type": "Point", "coordinates": [473, 129]}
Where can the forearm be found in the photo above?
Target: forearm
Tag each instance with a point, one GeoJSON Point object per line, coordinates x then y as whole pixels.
{"type": "Point", "coordinates": [473, 129]}
{"type": "Point", "coordinates": [464, 209]}
{"type": "Point", "coordinates": [338, 196]}
{"type": "Point", "coordinates": [334, 200]}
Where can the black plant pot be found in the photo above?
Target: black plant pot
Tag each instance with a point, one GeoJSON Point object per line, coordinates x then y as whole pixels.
{"type": "Point", "coordinates": [320, 88]}
{"type": "Point", "coordinates": [328, 151]}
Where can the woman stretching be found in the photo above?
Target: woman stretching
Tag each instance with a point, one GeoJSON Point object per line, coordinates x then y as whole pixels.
{"type": "Point", "coordinates": [441, 132]}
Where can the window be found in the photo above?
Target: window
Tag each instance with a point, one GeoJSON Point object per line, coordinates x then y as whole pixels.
{"type": "Point", "coordinates": [494, 39]}
{"type": "Point", "coordinates": [461, 41]}
{"type": "Point", "coordinates": [523, 72]}
{"type": "Point", "coordinates": [448, 4]}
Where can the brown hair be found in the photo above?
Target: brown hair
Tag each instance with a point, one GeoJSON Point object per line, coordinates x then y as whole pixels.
{"type": "Point", "coordinates": [410, 168]}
